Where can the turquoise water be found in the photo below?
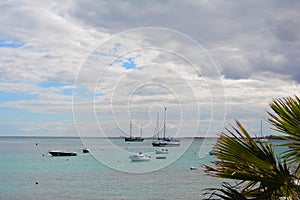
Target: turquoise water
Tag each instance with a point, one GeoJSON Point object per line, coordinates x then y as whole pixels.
{"type": "Point", "coordinates": [86, 177]}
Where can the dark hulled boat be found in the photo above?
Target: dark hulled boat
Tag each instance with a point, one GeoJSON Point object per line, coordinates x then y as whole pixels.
{"type": "Point", "coordinates": [62, 153]}
{"type": "Point", "coordinates": [134, 139]}
{"type": "Point", "coordinates": [85, 150]}
{"type": "Point", "coordinates": [166, 142]}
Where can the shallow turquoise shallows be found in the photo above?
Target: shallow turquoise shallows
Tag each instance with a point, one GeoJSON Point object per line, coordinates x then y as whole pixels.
{"type": "Point", "coordinates": [27, 171]}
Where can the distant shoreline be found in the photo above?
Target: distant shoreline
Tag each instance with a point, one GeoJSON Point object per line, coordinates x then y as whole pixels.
{"type": "Point", "coordinates": [75, 137]}
{"type": "Point", "coordinates": [150, 138]}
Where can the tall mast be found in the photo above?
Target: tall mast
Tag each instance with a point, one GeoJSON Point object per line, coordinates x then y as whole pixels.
{"type": "Point", "coordinates": [165, 123]}
{"type": "Point", "coordinates": [130, 128]}
{"type": "Point", "coordinates": [141, 130]}
{"type": "Point", "coordinates": [261, 128]}
{"type": "Point", "coordinates": [157, 125]}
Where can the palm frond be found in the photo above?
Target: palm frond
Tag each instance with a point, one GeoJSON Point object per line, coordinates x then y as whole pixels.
{"type": "Point", "coordinates": [228, 192]}
{"type": "Point", "coordinates": [253, 162]}
{"type": "Point", "coordinates": [286, 119]}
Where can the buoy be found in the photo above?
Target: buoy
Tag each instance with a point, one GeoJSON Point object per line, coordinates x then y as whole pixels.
{"type": "Point", "coordinates": [36, 182]}
{"type": "Point", "coordinates": [43, 154]}
{"type": "Point", "coordinates": [193, 168]}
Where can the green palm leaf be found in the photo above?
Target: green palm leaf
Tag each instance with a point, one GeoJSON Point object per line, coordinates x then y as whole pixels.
{"type": "Point", "coordinates": [252, 162]}
{"type": "Point", "coordinates": [286, 119]}
{"type": "Point", "coordinates": [228, 192]}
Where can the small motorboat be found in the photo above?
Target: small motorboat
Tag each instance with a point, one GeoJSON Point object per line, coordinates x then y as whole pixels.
{"type": "Point", "coordinates": [140, 157]}
{"type": "Point", "coordinates": [193, 168]}
{"type": "Point", "coordinates": [162, 151]}
{"type": "Point", "coordinates": [62, 153]}
{"type": "Point", "coordinates": [86, 150]}
{"type": "Point", "coordinates": [160, 157]}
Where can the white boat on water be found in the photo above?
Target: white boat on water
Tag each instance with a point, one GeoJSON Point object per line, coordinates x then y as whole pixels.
{"type": "Point", "coordinates": [140, 157]}
{"type": "Point", "coordinates": [62, 153]}
{"type": "Point", "coordinates": [162, 151]}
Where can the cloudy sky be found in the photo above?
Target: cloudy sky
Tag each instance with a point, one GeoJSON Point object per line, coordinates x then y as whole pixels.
{"type": "Point", "coordinates": [89, 67]}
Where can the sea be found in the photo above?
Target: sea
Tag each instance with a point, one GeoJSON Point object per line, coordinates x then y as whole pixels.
{"type": "Point", "coordinates": [28, 171]}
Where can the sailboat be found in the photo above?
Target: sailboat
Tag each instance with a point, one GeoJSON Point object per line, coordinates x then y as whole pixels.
{"type": "Point", "coordinates": [133, 139]}
{"type": "Point", "coordinates": [165, 141]}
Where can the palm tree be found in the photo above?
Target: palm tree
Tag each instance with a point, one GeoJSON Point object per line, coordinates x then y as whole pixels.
{"type": "Point", "coordinates": [261, 174]}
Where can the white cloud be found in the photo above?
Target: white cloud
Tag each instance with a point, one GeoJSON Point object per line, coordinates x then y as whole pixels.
{"type": "Point", "coordinates": [255, 47]}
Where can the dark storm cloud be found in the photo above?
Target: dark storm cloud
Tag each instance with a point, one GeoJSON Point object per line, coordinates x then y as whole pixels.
{"type": "Point", "coordinates": [265, 33]}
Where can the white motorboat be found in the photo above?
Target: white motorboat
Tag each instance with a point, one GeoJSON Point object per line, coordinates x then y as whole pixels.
{"type": "Point", "coordinates": [140, 157]}
{"type": "Point", "coordinates": [62, 153]}
{"type": "Point", "coordinates": [162, 151]}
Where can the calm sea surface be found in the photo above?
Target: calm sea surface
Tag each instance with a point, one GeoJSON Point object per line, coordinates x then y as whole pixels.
{"type": "Point", "coordinates": [105, 173]}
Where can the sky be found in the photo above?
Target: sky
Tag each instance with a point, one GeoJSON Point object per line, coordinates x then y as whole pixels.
{"type": "Point", "coordinates": [86, 68]}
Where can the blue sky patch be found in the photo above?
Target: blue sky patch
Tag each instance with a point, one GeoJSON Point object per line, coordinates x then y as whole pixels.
{"type": "Point", "coordinates": [67, 91]}
{"type": "Point", "coordinates": [50, 84]}
{"type": "Point", "coordinates": [99, 95]}
{"type": "Point", "coordinates": [6, 96]}
{"type": "Point", "coordinates": [17, 114]}
{"type": "Point", "coordinates": [11, 44]}
{"type": "Point", "coordinates": [129, 63]}
{"type": "Point", "coordinates": [84, 92]}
